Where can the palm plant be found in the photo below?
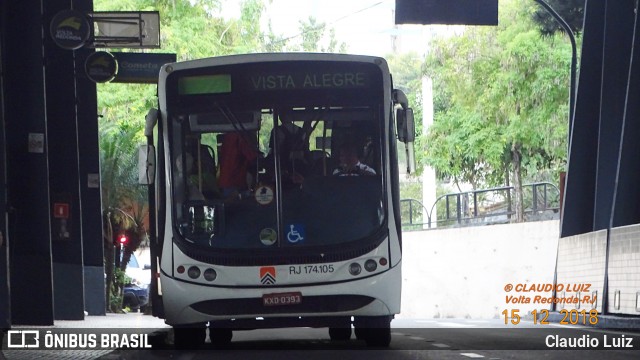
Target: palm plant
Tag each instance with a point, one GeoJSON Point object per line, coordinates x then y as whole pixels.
{"type": "Point", "coordinates": [123, 200]}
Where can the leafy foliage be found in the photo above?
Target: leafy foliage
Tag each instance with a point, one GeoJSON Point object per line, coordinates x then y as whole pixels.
{"type": "Point", "coordinates": [407, 76]}
{"type": "Point", "coordinates": [502, 108]}
{"type": "Point", "coordinates": [572, 11]}
{"type": "Point", "coordinates": [312, 33]}
{"type": "Point", "coordinates": [122, 198]}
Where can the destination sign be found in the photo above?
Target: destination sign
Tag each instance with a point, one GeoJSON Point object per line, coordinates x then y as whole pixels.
{"type": "Point", "coordinates": [302, 81]}
{"type": "Point", "coordinates": [274, 77]}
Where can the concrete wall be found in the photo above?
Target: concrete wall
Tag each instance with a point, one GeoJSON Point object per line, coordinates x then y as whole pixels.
{"type": "Point", "coordinates": [624, 270]}
{"type": "Point", "coordinates": [582, 259]}
{"type": "Point", "coordinates": [462, 272]}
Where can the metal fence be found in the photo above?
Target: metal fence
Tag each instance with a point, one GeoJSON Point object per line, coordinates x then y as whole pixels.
{"type": "Point", "coordinates": [481, 207]}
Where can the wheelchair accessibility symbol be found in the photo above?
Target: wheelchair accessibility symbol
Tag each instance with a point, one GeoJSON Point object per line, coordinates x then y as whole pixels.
{"type": "Point", "coordinates": [296, 233]}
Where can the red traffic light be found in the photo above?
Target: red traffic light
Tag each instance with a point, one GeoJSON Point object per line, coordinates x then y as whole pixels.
{"type": "Point", "coordinates": [123, 239]}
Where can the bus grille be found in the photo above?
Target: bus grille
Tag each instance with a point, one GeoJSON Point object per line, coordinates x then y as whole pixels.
{"type": "Point", "coordinates": [309, 304]}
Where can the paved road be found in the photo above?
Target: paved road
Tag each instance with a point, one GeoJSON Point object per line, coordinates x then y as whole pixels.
{"type": "Point", "coordinates": [412, 339]}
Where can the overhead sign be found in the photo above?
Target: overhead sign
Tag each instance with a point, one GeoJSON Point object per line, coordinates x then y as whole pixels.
{"type": "Point", "coordinates": [140, 67]}
{"type": "Point", "coordinates": [70, 29]}
{"type": "Point", "coordinates": [447, 12]}
{"type": "Point", "coordinates": [101, 67]}
{"type": "Point", "coordinates": [126, 29]}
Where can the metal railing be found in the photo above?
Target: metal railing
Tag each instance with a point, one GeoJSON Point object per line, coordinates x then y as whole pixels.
{"type": "Point", "coordinates": [481, 207]}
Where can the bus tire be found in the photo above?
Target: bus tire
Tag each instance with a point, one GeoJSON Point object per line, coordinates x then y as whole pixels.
{"type": "Point", "coordinates": [360, 333]}
{"type": "Point", "coordinates": [189, 337]}
{"type": "Point", "coordinates": [378, 337]}
{"type": "Point", "coordinates": [340, 333]}
{"type": "Point", "coordinates": [220, 336]}
{"type": "Point", "coordinates": [377, 331]}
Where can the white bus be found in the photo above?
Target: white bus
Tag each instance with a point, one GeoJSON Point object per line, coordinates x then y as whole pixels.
{"type": "Point", "coordinates": [260, 228]}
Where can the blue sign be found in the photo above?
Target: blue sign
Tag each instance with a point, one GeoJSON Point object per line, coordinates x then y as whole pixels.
{"type": "Point", "coordinates": [295, 233]}
{"type": "Point", "coordinates": [140, 67]}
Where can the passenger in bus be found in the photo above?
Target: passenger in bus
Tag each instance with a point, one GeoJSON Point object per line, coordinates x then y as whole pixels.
{"type": "Point", "coordinates": [292, 141]}
{"type": "Point", "coordinates": [350, 164]}
{"type": "Point", "coordinates": [293, 149]}
{"type": "Point", "coordinates": [204, 173]}
{"type": "Point", "coordinates": [193, 190]}
{"type": "Point", "coordinates": [200, 168]}
{"type": "Point", "coordinates": [237, 154]}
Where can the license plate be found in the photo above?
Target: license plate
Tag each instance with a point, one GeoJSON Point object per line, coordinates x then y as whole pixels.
{"type": "Point", "coordinates": [280, 299]}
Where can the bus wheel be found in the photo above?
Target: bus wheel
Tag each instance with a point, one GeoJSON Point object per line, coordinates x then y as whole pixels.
{"type": "Point", "coordinates": [378, 337]}
{"type": "Point", "coordinates": [379, 332]}
{"type": "Point", "coordinates": [340, 333]}
{"type": "Point", "coordinates": [220, 336]}
{"type": "Point", "coordinates": [360, 333]}
{"type": "Point", "coordinates": [189, 336]}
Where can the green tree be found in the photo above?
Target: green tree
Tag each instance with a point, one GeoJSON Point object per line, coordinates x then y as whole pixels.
{"type": "Point", "coordinates": [122, 198]}
{"type": "Point", "coordinates": [406, 69]}
{"type": "Point", "coordinates": [312, 32]}
{"type": "Point", "coordinates": [123, 106]}
{"type": "Point", "coordinates": [314, 38]}
{"type": "Point", "coordinates": [191, 29]}
{"type": "Point", "coordinates": [462, 145]}
{"type": "Point", "coordinates": [502, 111]}
{"type": "Point", "coordinates": [572, 11]}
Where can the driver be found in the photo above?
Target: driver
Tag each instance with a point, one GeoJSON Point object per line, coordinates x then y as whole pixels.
{"type": "Point", "coordinates": [350, 164]}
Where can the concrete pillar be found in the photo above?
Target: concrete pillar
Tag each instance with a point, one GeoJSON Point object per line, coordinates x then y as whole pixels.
{"type": "Point", "coordinates": [25, 121]}
{"type": "Point", "coordinates": [61, 68]}
{"type": "Point", "coordinates": [5, 304]}
{"type": "Point", "coordinates": [618, 38]}
{"type": "Point", "coordinates": [626, 206]}
{"type": "Point", "coordinates": [89, 174]}
{"type": "Point", "coordinates": [429, 174]}
{"type": "Point", "coordinates": [579, 195]}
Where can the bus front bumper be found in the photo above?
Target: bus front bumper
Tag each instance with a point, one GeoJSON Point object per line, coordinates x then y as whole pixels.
{"type": "Point", "coordinates": [188, 303]}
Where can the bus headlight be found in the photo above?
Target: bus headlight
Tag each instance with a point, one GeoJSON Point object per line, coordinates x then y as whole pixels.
{"type": "Point", "coordinates": [370, 265]}
{"type": "Point", "coordinates": [210, 274]}
{"type": "Point", "coordinates": [194, 272]}
{"type": "Point", "coordinates": [355, 269]}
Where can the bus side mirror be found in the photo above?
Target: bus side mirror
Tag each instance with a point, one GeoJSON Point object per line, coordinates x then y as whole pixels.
{"type": "Point", "coordinates": [405, 125]}
{"type": "Point", "coordinates": [146, 164]}
{"type": "Point", "coordinates": [410, 137]}
{"type": "Point", "coordinates": [410, 126]}
{"type": "Point", "coordinates": [407, 134]}
{"type": "Point", "coordinates": [401, 124]}
{"type": "Point", "coordinates": [150, 122]}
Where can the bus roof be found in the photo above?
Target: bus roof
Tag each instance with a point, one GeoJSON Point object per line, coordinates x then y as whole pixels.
{"type": "Point", "coordinates": [273, 57]}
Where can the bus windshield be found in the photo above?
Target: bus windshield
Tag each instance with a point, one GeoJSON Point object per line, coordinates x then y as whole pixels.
{"type": "Point", "coordinates": [277, 155]}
